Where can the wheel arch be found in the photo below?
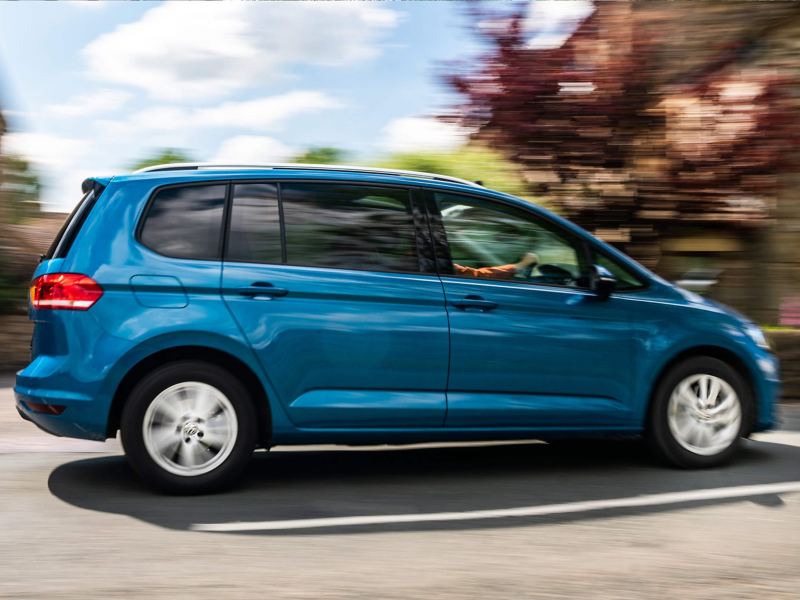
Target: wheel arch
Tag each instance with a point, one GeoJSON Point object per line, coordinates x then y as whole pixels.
{"type": "Point", "coordinates": [201, 353]}
{"type": "Point", "coordinates": [720, 353]}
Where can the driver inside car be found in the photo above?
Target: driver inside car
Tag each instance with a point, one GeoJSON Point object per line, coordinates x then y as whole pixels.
{"type": "Point", "coordinates": [525, 264]}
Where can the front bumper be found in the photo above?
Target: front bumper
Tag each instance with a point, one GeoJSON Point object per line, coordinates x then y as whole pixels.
{"type": "Point", "coordinates": [767, 389]}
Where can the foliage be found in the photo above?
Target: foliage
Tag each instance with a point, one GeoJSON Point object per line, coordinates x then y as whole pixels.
{"type": "Point", "coordinates": [161, 157]}
{"type": "Point", "coordinates": [19, 194]}
{"type": "Point", "coordinates": [321, 155]}
{"type": "Point", "coordinates": [472, 162]}
{"type": "Point", "coordinates": [20, 190]}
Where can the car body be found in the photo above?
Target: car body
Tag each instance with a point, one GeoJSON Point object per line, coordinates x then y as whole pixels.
{"type": "Point", "coordinates": [387, 345]}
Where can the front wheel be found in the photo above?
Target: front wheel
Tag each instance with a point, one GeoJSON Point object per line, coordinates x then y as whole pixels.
{"type": "Point", "coordinates": [189, 427]}
{"type": "Point", "coordinates": [699, 413]}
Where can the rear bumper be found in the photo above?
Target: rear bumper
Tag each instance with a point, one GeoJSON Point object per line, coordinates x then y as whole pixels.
{"type": "Point", "coordinates": [84, 416]}
{"type": "Point", "coordinates": [73, 422]}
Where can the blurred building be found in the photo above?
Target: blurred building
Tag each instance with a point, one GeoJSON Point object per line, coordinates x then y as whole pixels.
{"type": "Point", "coordinates": [669, 129]}
{"type": "Point", "coordinates": [705, 191]}
{"type": "Point", "coordinates": [729, 75]}
{"type": "Point", "coordinates": [23, 243]}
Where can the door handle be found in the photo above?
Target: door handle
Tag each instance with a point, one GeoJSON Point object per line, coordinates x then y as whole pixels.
{"type": "Point", "coordinates": [476, 302]}
{"type": "Point", "coordinates": [262, 289]}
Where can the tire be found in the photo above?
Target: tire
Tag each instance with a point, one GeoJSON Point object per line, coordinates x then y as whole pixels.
{"type": "Point", "coordinates": [689, 433]}
{"type": "Point", "coordinates": [189, 427]}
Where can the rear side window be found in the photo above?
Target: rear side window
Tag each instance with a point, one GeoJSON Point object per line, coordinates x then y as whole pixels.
{"type": "Point", "coordinates": [66, 235]}
{"type": "Point", "coordinates": [255, 224]}
{"type": "Point", "coordinates": [185, 222]}
{"type": "Point", "coordinates": [349, 227]}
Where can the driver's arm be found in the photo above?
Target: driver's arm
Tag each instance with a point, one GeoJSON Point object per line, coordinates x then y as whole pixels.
{"type": "Point", "coordinates": [499, 272]}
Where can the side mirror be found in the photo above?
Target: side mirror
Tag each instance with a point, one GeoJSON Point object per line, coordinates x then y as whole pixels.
{"type": "Point", "coordinates": [601, 281]}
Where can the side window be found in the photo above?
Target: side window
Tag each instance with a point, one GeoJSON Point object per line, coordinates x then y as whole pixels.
{"type": "Point", "coordinates": [255, 230]}
{"type": "Point", "coordinates": [62, 242]}
{"type": "Point", "coordinates": [349, 227]}
{"type": "Point", "coordinates": [625, 279]}
{"type": "Point", "coordinates": [185, 222]}
{"type": "Point", "coordinates": [493, 241]}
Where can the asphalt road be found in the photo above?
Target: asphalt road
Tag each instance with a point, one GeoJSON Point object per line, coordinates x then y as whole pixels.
{"type": "Point", "coordinates": [570, 520]}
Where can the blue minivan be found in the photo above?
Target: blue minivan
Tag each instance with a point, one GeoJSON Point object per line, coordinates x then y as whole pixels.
{"type": "Point", "coordinates": [204, 311]}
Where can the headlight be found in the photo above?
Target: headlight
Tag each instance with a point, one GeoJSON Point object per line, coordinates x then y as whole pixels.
{"type": "Point", "coordinates": [754, 333]}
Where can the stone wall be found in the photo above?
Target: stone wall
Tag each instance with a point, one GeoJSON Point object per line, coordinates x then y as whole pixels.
{"type": "Point", "coordinates": [15, 339]}
{"type": "Point", "coordinates": [15, 335]}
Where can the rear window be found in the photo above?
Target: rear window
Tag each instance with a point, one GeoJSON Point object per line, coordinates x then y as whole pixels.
{"type": "Point", "coordinates": [349, 227]}
{"type": "Point", "coordinates": [66, 235]}
{"type": "Point", "coordinates": [185, 221]}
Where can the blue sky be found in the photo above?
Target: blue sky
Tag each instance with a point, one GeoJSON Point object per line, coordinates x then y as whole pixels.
{"type": "Point", "coordinates": [88, 88]}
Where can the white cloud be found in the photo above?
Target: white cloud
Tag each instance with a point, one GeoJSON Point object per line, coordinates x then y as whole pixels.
{"type": "Point", "coordinates": [92, 103]}
{"type": "Point", "coordinates": [422, 134]}
{"type": "Point", "coordinates": [250, 149]}
{"type": "Point", "coordinates": [184, 51]}
{"type": "Point", "coordinates": [61, 163]}
{"type": "Point", "coordinates": [259, 114]}
{"type": "Point", "coordinates": [45, 150]}
{"type": "Point", "coordinates": [13, 114]}
{"type": "Point", "coordinates": [553, 21]}
{"type": "Point", "coordinates": [263, 113]}
{"type": "Point", "coordinates": [88, 4]}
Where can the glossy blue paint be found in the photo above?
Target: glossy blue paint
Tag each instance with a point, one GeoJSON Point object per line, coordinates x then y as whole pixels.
{"type": "Point", "coordinates": [356, 357]}
{"type": "Point", "coordinates": [159, 291]}
{"type": "Point", "coordinates": [508, 365]}
{"type": "Point", "coordinates": [366, 342]}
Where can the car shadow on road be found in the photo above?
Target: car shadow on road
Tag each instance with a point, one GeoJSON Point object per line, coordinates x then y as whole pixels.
{"type": "Point", "coordinates": [290, 484]}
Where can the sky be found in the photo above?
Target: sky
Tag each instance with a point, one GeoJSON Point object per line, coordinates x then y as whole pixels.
{"type": "Point", "coordinates": [89, 88]}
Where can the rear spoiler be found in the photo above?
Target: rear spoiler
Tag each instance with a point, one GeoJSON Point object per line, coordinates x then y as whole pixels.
{"type": "Point", "coordinates": [91, 183]}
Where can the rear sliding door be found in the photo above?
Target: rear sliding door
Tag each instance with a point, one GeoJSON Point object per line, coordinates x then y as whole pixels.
{"type": "Point", "coordinates": [334, 287]}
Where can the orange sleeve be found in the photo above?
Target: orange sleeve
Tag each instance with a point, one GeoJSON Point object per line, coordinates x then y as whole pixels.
{"type": "Point", "coordinates": [501, 272]}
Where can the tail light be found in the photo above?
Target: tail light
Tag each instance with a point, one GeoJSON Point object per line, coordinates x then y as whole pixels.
{"type": "Point", "coordinates": [65, 291]}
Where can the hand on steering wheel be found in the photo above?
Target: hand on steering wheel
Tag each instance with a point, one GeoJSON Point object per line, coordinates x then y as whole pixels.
{"type": "Point", "coordinates": [526, 264]}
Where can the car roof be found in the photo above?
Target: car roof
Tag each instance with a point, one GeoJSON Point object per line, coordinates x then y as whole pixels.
{"type": "Point", "coordinates": [176, 173]}
{"type": "Point", "coordinates": [283, 168]}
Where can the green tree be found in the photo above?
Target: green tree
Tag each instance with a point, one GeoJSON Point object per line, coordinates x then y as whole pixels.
{"type": "Point", "coordinates": [20, 190]}
{"type": "Point", "coordinates": [322, 155]}
{"type": "Point", "coordinates": [473, 162]}
{"type": "Point", "coordinates": [161, 157]}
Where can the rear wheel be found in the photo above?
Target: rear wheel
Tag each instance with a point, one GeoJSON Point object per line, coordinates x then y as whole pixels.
{"type": "Point", "coordinates": [189, 427]}
{"type": "Point", "coordinates": [699, 413]}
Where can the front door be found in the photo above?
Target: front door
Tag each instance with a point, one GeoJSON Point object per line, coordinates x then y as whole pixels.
{"type": "Point", "coordinates": [531, 347]}
{"type": "Point", "coordinates": [340, 303]}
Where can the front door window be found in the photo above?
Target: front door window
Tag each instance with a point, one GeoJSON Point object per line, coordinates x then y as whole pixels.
{"type": "Point", "coordinates": [494, 241]}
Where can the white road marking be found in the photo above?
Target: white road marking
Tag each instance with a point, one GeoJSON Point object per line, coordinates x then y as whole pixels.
{"type": "Point", "coordinates": [741, 491]}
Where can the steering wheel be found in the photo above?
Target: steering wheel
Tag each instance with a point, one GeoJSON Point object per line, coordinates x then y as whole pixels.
{"type": "Point", "coordinates": [525, 273]}
{"type": "Point", "coordinates": [555, 274]}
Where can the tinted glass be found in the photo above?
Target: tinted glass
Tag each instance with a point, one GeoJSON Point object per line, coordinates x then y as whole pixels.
{"type": "Point", "coordinates": [255, 234]}
{"type": "Point", "coordinates": [185, 222]}
{"type": "Point", "coordinates": [349, 227]}
{"type": "Point", "coordinates": [492, 241]}
{"type": "Point", "coordinates": [69, 230]}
